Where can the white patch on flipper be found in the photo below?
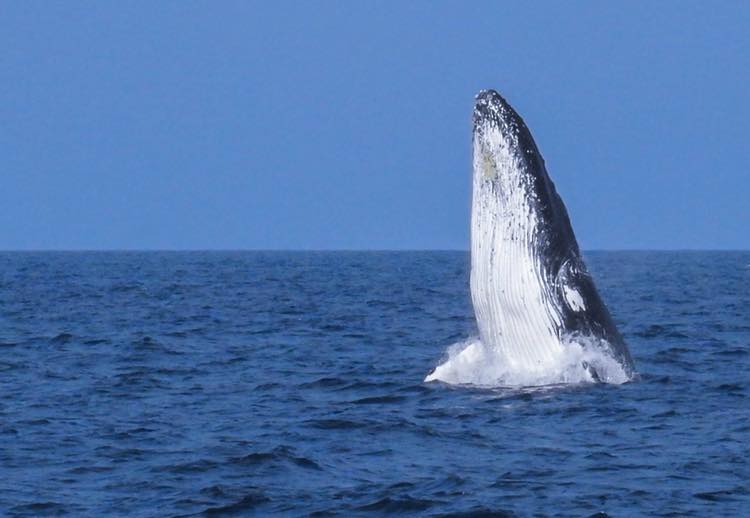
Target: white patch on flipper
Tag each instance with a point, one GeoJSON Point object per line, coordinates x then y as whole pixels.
{"type": "Point", "coordinates": [574, 299]}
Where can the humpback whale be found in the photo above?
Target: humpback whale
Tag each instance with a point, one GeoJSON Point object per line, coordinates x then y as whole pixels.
{"type": "Point", "coordinates": [533, 297]}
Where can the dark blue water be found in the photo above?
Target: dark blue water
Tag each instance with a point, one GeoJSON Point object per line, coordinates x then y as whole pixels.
{"type": "Point", "coordinates": [158, 384]}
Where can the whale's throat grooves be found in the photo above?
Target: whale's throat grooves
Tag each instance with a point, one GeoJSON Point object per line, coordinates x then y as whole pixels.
{"type": "Point", "coordinates": [509, 290]}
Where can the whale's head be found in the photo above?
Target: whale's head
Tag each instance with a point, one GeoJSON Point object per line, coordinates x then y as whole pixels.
{"type": "Point", "coordinates": [501, 139]}
{"type": "Point", "coordinates": [511, 180]}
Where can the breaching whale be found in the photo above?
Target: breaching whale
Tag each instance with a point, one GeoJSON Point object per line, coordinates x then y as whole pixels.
{"type": "Point", "coordinates": [532, 294]}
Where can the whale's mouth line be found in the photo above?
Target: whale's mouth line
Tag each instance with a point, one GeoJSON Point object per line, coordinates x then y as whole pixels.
{"type": "Point", "coordinates": [539, 316]}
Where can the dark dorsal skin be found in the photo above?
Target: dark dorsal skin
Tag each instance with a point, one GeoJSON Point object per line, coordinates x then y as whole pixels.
{"type": "Point", "coordinates": [555, 241]}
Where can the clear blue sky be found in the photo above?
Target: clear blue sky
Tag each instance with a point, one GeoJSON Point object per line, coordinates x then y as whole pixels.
{"type": "Point", "coordinates": [177, 125]}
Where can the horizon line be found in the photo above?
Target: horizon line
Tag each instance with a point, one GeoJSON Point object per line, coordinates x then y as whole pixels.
{"type": "Point", "coordinates": [318, 250]}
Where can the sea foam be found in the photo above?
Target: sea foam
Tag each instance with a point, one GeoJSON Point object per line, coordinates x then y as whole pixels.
{"type": "Point", "coordinates": [471, 362]}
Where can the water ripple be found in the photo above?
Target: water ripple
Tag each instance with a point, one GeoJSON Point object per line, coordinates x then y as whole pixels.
{"type": "Point", "coordinates": [270, 383]}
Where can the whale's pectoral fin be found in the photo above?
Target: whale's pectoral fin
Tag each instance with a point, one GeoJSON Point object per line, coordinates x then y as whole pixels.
{"type": "Point", "coordinates": [572, 285]}
{"type": "Point", "coordinates": [583, 311]}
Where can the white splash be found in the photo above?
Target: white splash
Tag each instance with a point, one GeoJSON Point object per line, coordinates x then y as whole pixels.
{"type": "Point", "coordinates": [473, 363]}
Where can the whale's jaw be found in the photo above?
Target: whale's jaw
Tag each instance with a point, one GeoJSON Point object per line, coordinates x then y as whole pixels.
{"type": "Point", "coordinates": [529, 286]}
{"type": "Point", "coordinates": [509, 288]}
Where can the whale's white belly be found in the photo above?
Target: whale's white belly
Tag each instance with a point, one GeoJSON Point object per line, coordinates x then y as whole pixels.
{"type": "Point", "coordinates": [514, 309]}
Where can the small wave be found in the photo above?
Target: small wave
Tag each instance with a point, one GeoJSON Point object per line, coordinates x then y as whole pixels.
{"type": "Point", "coordinates": [472, 363]}
{"type": "Point", "coordinates": [38, 508]}
{"type": "Point", "coordinates": [375, 400]}
{"type": "Point", "coordinates": [404, 504]}
{"type": "Point", "coordinates": [62, 338]}
{"type": "Point", "coordinates": [246, 504]}
{"type": "Point", "coordinates": [323, 383]}
{"type": "Point", "coordinates": [479, 512]}
{"type": "Point", "coordinates": [334, 424]}
{"type": "Point", "coordinates": [722, 494]}
{"type": "Point", "coordinates": [198, 466]}
{"type": "Point", "coordinates": [97, 341]}
{"type": "Point", "coordinates": [657, 331]}
{"type": "Point", "coordinates": [278, 454]}
{"type": "Point", "coordinates": [83, 470]}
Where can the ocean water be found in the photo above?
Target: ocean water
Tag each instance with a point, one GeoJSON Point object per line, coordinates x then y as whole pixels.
{"type": "Point", "coordinates": [274, 383]}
